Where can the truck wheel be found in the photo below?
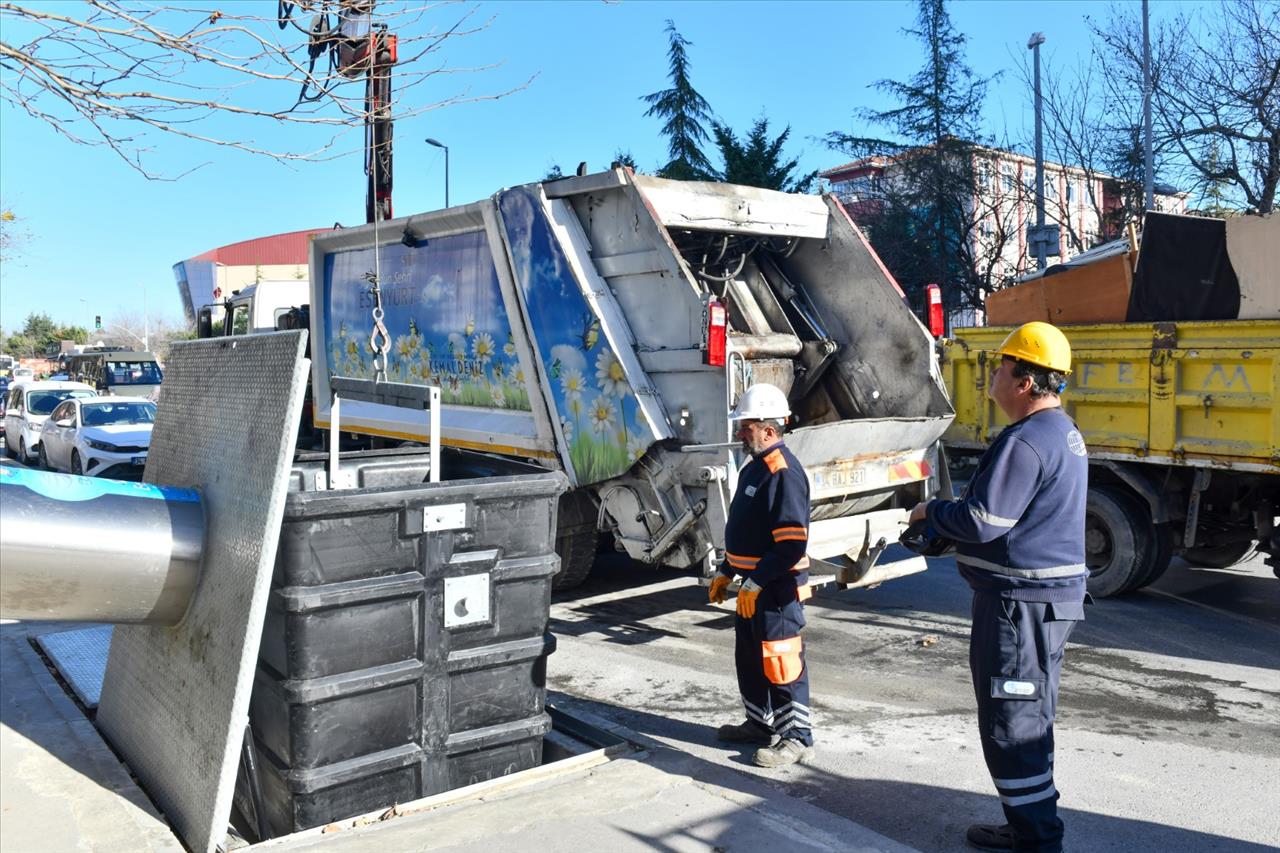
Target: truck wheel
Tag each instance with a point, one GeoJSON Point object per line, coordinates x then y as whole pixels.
{"type": "Point", "coordinates": [1160, 556]}
{"type": "Point", "coordinates": [576, 539]}
{"type": "Point", "coordinates": [1116, 542]}
{"type": "Point", "coordinates": [577, 552]}
{"type": "Point", "coordinates": [1219, 556]}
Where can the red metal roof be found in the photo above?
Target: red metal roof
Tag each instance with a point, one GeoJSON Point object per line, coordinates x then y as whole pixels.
{"type": "Point", "coordinates": [290, 248]}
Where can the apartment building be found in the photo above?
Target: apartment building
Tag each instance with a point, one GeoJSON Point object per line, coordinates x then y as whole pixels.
{"type": "Point", "coordinates": [1087, 207]}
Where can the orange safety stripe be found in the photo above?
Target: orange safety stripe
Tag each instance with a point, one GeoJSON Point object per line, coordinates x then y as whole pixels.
{"type": "Point", "coordinates": [739, 561]}
{"type": "Point", "coordinates": [775, 461]}
{"type": "Point", "coordinates": [801, 564]}
{"type": "Point", "coordinates": [784, 534]}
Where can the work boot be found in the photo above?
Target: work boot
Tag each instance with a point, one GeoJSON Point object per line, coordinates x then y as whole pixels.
{"type": "Point", "coordinates": [785, 751]}
{"type": "Point", "coordinates": [748, 731]}
{"type": "Point", "coordinates": [986, 836]}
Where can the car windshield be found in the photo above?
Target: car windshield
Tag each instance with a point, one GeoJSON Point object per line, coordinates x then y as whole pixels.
{"type": "Point", "coordinates": [44, 402]}
{"type": "Point", "coordinates": [133, 373]}
{"type": "Point", "coordinates": [107, 414]}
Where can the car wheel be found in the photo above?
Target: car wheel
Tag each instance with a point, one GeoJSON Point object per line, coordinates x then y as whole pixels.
{"type": "Point", "coordinates": [76, 467]}
{"type": "Point", "coordinates": [43, 458]}
{"type": "Point", "coordinates": [22, 452]}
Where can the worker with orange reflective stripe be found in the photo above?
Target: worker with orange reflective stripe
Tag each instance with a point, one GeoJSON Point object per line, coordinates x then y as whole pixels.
{"type": "Point", "coordinates": [765, 538]}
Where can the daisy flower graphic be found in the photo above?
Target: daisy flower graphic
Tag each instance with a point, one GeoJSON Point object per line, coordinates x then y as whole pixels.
{"type": "Point", "coordinates": [636, 447]}
{"type": "Point", "coordinates": [482, 347]}
{"type": "Point", "coordinates": [572, 383]}
{"type": "Point", "coordinates": [601, 415]}
{"type": "Point", "coordinates": [609, 375]}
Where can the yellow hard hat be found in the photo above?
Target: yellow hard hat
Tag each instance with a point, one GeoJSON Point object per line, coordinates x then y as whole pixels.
{"type": "Point", "coordinates": [1041, 344]}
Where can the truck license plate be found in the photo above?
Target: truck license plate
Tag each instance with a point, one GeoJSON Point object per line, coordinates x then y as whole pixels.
{"type": "Point", "coordinates": [839, 476]}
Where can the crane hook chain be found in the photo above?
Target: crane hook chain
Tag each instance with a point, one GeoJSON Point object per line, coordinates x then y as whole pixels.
{"type": "Point", "coordinates": [379, 339]}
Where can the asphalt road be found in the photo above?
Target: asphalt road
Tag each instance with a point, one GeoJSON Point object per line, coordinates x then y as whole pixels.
{"type": "Point", "coordinates": [1168, 735]}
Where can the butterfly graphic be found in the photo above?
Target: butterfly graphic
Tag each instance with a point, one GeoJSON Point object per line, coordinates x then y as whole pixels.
{"type": "Point", "coordinates": [555, 368]}
{"type": "Point", "coordinates": [590, 332]}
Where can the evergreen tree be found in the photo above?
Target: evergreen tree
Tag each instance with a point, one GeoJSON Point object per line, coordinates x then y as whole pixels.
{"type": "Point", "coordinates": [757, 160]}
{"type": "Point", "coordinates": [924, 228]}
{"type": "Point", "coordinates": [684, 113]}
{"type": "Point", "coordinates": [622, 157]}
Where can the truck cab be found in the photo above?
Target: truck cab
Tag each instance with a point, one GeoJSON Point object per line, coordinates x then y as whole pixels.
{"type": "Point", "coordinates": [252, 310]}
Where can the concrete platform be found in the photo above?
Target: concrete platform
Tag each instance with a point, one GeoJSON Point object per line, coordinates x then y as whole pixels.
{"type": "Point", "coordinates": [62, 789]}
{"type": "Point", "coordinates": [655, 798]}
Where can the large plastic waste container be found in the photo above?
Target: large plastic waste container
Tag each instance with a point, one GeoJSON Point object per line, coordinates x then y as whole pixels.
{"type": "Point", "coordinates": [405, 644]}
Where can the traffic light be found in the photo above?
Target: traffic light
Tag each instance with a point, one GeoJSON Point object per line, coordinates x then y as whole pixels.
{"type": "Point", "coordinates": [97, 321]}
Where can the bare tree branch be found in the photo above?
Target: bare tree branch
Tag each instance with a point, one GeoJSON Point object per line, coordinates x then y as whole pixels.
{"type": "Point", "coordinates": [1216, 98]}
{"type": "Point", "coordinates": [125, 74]}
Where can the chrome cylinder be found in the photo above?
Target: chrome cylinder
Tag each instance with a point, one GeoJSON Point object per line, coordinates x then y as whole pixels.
{"type": "Point", "coordinates": [88, 550]}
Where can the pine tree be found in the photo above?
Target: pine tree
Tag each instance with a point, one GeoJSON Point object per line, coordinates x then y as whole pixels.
{"type": "Point", "coordinates": [757, 160]}
{"type": "Point", "coordinates": [685, 114]}
{"type": "Point", "coordinates": [925, 201]}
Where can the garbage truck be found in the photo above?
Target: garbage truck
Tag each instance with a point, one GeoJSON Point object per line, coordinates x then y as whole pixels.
{"type": "Point", "coordinates": [603, 325]}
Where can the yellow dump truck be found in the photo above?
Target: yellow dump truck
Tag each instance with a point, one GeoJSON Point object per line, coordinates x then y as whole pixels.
{"type": "Point", "coordinates": [1183, 432]}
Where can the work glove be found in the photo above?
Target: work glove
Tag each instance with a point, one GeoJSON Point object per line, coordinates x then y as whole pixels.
{"type": "Point", "coordinates": [747, 596]}
{"type": "Point", "coordinates": [719, 590]}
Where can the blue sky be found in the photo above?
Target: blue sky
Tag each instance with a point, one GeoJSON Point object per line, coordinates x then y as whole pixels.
{"type": "Point", "coordinates": [100, 233]}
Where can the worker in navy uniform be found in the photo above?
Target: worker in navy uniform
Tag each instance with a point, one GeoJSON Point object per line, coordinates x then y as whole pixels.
{"type": "Point", "coordinates": [765, 538]}
{"type": "Point", "coordinates": [1019, 533]}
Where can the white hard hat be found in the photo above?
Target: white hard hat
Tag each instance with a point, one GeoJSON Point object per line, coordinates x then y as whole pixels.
{"type": "Point", "coordinates": [761, 402]}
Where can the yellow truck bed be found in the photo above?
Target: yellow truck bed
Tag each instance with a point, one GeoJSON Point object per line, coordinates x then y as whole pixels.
{"type": "Point", "coordinates": [1195, 394]}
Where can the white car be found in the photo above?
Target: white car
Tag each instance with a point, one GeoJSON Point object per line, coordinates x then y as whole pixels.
{"type": "Point", "coordinates": [99, 437]}
{"type": "Point", "coordinates": [29, 405]}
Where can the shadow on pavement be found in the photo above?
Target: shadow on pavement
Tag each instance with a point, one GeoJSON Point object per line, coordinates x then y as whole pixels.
{"type": "Point", "coordinates": [927, 816]}
{"type": "Point", "coordinates": [1143, 622]}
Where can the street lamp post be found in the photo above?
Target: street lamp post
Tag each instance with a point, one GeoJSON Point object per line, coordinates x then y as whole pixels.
{"type": "Point", "coordinates": [438, 144]}
{"type": "Point", "coordinates": [1148, 188]}
{"type": "Point", "coordinates": [1033, 44]}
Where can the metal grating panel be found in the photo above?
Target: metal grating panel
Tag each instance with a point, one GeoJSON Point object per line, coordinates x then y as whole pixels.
{"type": "Point", "coordinates": [175, 701]}
{"type": "Point", "coordinates": [80, 656]}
